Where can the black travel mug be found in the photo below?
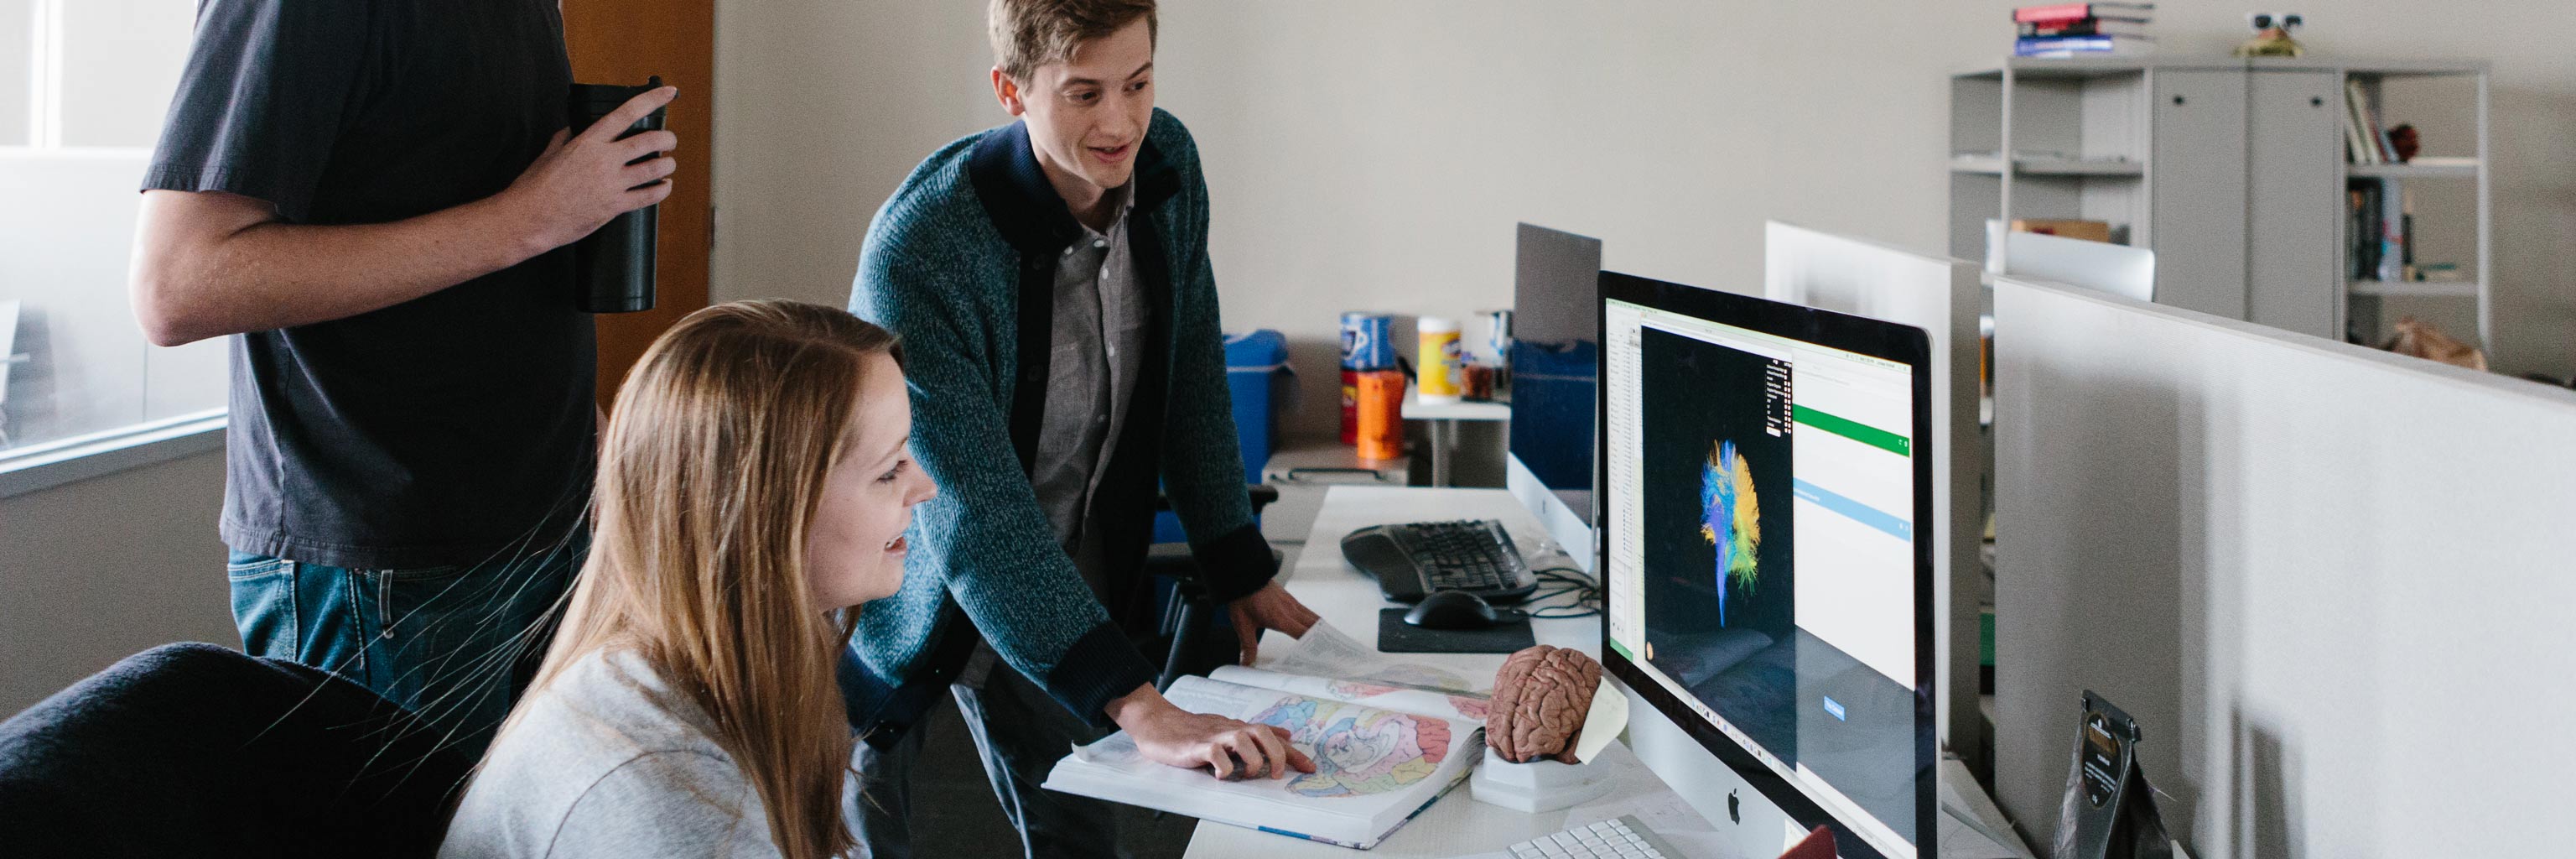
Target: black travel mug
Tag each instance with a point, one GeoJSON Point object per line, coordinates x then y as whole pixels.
{"type": "Point", "coordinates": [612, 268]}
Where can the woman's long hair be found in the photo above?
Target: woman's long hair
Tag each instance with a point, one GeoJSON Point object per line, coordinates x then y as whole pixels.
{"type": "Point", "coordinates": [709, 477]}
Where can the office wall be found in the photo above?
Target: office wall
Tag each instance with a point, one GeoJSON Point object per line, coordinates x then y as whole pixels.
{"type": "Point", "coordinates": [94, 571]}
{"type": "Point", "coordinates": [1375, 155]}
{"type": "Point", "coordinates": [121, 60]}
{"type": "Point", "coordinates": [2330, 583]}
{"type": "Point", "coordinates": [17, 31]}
{"type": "Point", "coordinates": [118, 60]}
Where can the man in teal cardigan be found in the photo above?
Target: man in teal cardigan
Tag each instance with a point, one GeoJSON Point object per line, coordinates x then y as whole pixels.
{"type": "Point", "coordinates": [1050, 283]}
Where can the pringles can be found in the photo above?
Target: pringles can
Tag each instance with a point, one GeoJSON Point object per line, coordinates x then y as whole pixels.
{"type": "Point", "coordinates": [1366, 346]}
{"type": "Point", "coordinates": [1440, 369]}
{"type": "Point", "coordinates": [1380, 395]}
{"type": "Point", "coordinates": [1350, 406]}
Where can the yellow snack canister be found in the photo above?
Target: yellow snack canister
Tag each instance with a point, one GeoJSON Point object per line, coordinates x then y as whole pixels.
{"type": "Point", "coordinates": [1437, 373]}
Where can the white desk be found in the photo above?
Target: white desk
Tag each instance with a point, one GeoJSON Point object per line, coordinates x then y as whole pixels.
{"type": "Point", "coordinates": [1443, 419]}
{"type": "Point", "coordinates": [1414, 409]}
{"type": "Point", "coordinates": [1456, 825]}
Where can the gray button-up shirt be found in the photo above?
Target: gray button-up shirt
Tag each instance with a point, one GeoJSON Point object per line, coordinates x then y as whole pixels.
{"type": "Point", "coordinates": [1093, 359]}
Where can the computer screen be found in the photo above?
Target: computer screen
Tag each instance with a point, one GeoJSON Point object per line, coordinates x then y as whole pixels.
{"type": "Point", "coordinates": [1555, 360]}
{"type": "Point", "coordinates": [1766, 586]}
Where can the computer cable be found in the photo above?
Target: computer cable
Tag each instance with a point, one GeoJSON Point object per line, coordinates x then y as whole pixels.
{"type": "Point", "coordinates": [1562, 583]}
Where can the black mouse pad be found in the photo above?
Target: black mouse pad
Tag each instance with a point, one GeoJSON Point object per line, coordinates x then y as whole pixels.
{"type": "Point", "coordinates": [1396, 636]}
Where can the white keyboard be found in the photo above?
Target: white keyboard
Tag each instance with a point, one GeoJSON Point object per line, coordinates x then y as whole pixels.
{"type": "Point", "coordinates": [1624, 838]}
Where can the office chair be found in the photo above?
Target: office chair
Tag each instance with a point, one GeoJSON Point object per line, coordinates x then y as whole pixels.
{"type": "Point", "coordinates": [195, 750]}
{"type": "Point", "coordinates": [1189, 615]}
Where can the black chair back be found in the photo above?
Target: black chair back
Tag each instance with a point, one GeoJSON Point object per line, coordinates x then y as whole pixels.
{"type": "Point", "coordinates": [195, 750]}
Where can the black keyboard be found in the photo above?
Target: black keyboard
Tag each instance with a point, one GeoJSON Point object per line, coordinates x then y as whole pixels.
{"type": "Point", "coordinates": [1416, 558]}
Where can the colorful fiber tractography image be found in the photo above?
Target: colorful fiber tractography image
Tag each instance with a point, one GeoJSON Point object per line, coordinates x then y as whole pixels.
{"type": "Point", "coordinates": [1719, 511]}
{"type": "Point", "coordinates": [1358, 751]}
{"type": "Point", "coordinates": [1731, 520]}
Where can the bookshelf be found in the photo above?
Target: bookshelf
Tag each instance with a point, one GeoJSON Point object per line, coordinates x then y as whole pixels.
{"type": "Point", "coordinates": [2236, 172]}
{"type": "Point", "coordinates": [2461, 169]}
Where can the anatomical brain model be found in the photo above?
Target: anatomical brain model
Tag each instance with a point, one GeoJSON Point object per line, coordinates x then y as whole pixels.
{"type": "Point", "coordinates": [1540, 698]}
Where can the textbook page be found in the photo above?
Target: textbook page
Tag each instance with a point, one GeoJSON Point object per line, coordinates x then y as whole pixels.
{"type": "Point", "coordinates": [1328, 663]}
{"type": "Point", "coordinates": [1375, 768]}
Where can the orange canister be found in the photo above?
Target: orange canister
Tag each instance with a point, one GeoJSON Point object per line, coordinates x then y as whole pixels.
{"type": "Point", "coordinates": [1381, 414]}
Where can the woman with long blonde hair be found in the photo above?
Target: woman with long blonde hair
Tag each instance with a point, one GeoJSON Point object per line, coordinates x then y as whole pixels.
{"type": "Point", "coordinates": [754, 482]}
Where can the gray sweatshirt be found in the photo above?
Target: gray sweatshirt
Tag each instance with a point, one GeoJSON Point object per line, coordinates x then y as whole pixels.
{"type": "Point", "coordinates": [609, 760]}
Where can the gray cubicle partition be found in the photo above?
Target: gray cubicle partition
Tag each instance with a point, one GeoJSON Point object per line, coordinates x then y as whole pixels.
{"type": "Point", "coordinates": [2334, 585]}
{"type": "Point", "coordinates": [1942, 297]}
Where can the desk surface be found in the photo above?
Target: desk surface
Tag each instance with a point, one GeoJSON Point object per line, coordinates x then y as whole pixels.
{"type": "Point", "coordinates": [1456, 825]}
{"type": "Point", "coordinates": [1415, 409]}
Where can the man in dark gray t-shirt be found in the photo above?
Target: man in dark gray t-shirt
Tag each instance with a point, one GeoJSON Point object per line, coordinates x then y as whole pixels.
{"type": "Point", "coordinates": [371, 198]}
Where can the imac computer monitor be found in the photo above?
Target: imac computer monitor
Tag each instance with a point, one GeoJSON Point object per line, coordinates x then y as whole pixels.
{"type": "Point", "coordinates": [1768, 589]}
{"type": "Point", "coordinates": [1555, 361]}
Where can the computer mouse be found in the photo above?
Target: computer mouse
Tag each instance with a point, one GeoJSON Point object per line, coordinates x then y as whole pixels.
{"type": "Point", "coordinates": [1452, 610]}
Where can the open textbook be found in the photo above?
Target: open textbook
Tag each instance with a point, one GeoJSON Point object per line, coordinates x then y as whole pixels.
{"type": "Point", "coordinates": [1387, 739]}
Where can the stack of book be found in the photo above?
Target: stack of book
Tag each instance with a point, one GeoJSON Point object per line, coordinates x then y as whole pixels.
{"type": "Point", "coordinates": [2379, 235]}
{"type": "Point", "coordinates": [2365, 139]}
{"type": "Point", "coordinates": [2083, 30]}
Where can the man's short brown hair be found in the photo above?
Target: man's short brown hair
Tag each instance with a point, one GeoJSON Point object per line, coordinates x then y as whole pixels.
{"type": "Point", "coordinates": [1032, 33]}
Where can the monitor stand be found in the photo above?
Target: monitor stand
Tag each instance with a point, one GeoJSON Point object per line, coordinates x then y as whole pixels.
{"type": "Point", "coordinates": [1568, 532]}
{"type": "Point", "coordinates": [1750, 824]}
{"type": "Point", "coordinates": [1753, 827]}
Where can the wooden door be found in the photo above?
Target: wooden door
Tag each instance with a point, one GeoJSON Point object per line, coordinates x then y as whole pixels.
{"type": "Point", "coordinates": [624, 42]}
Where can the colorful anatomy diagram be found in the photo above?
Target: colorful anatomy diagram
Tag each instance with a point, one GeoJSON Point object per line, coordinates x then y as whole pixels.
{"type": "Point", "coordinates": [1358, 751]}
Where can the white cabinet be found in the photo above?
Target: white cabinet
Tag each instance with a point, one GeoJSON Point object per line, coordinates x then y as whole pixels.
{"type": "Point", "coordinates": [2196, 188]}
{"type": "Point", "coordinates": [2294, 200]}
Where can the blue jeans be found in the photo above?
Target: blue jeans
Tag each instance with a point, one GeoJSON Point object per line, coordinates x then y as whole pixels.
{"type": "Point", "coordinates": [454, 645]}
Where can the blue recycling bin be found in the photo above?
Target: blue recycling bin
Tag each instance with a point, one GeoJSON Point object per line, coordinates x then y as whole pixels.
{"type": "Point", "coordinates": [1256, 372]}
{"type": "Point", "coordinates": [1257, 375]}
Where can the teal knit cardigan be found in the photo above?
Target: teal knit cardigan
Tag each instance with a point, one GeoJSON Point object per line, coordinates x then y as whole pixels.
{"type": "Point", "coordinates": [960, 265]}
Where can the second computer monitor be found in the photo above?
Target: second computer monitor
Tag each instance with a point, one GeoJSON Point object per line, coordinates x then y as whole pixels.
{"type": "Point", "coordinates": [1555, 359]}
{"type": "Point", "coordinates": [1768, 590]}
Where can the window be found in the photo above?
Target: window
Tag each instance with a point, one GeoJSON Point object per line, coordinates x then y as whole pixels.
{"type": "Point", "coordinates": [84, 85]}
